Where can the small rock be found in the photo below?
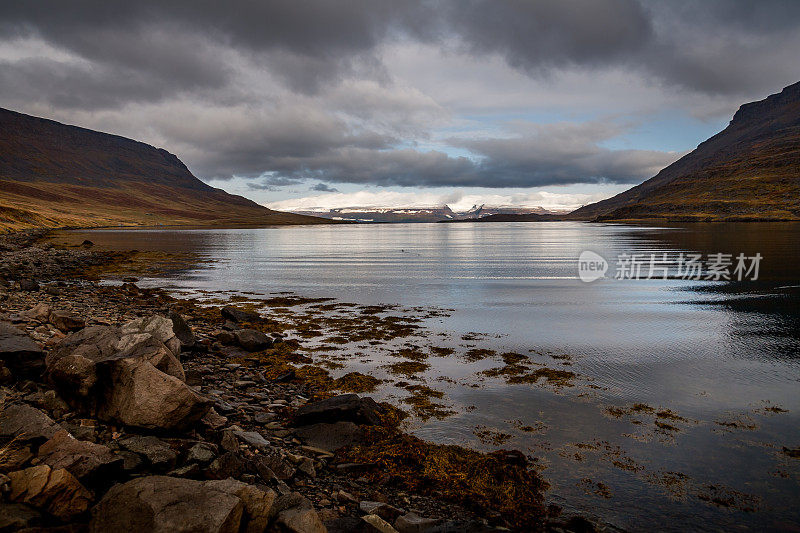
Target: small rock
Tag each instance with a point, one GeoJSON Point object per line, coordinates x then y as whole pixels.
{"type": "Point", "coordinates": [412, 523]}
{"type": "Point", "coordinates": [384, 510]}
{"type": "Point", "coordinates": [157, 452]}
{"type": "Point", "coordinates": [252, 340]}
{"type": "Point", "coordinates": [66, 322]}
{"type": "Point", "coordinates": [182, 330]}
{"type": "Point", "coordinates": [26, 424]}
{"type": "Point", "coordinates": [40, 312]}
{"type": "Point", "coordinates": [378, 524]}
{"type": "Point", "coordinates": [201, 452]}
{"type": "Point", "coordinates": [28, 285]}
{"type": "Point", "coordinates": [56, 491]}
{"type": "Point", "coordinates": [238, 315]}
{"type": "Point", "coordinates": [300, 519]}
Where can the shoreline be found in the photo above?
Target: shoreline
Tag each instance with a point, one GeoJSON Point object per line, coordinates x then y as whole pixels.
{"type": "Point", "coordinates": [467, 489]}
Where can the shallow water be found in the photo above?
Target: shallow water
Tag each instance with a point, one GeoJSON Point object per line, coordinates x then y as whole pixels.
{"type": "Point", "coordinates": [715, 353]}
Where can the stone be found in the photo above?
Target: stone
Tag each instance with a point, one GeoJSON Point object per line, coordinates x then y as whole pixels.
{"type": "Point", "coordinates": [383, 510]}
{"type": "Point", "coordinates": [201, 452]}
{"type": "Point", "coordinates": [300, 519]}
{"type": "Point", "coordinates": [257, 502]}
{"type": "Point", "coordinates": [19, 352]}
{"type": "Point", "coordinates": [26, 423]}
{"type": "Point", "coordinates": [226, 338]}
{"type": "Point", "coordinates": [90, 463]}
{"type": "Point", "coordinates": [274, 461]}
{"type": "Point", "coordinates": [330, 437]}
{"type": "Point", "coordinates": [181, 329]}
{"type": "Point", "coordinates": [378, 524]}
{"type": "Point", "coordinates": [152, 350]}
{"type": "Point", "coordinates": [238, 315]}
{"type": "Point", "coordinates": [214, 420]}
{"type": "Point", "coordinates": [157, 452]}
{"type": "Point", "coordinates": [28, 285]}
{"type": "Point", "coordinates": [40, 312]}
{"type": "Point", "coordinates": [66, 322]}
{"type": "Point", "coordinates": [136, 393]}
{"type": "Point", "coordinates": [56, 491]}
{"type": "Point", "coordinates": [157, 326]}
{"type": "Point", "coordinates": [227, 465]}
{"type": "Point", "coordinates": [251, 438]}
{"type": "Point", "coordinates": [413, 523]}
{"type": "Point", "coordinates": [252, 340]}
{"type": "Point", "coordinates": [162, 504]}
{"type": "Point", "coordinates": [345, 407]}
{"type": "Point", "coordinates": [16, 516]}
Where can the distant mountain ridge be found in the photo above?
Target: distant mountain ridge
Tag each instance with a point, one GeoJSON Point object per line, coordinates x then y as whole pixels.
{"type": "Point", "coordinates": [418, 214]}
{"type": "Point", "coordinates": [56, 175]}
{"type": "Point", "coordinates": [748, 171]}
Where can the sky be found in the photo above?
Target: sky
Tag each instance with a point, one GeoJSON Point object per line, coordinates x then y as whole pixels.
{"type": "Point", "coordinates": [394, 103]}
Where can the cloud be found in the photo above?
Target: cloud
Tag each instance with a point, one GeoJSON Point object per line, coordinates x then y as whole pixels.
{"type": "Point", "coordinates": [281, 91]}
{"type": "Point", "coordinates": [323, 188]}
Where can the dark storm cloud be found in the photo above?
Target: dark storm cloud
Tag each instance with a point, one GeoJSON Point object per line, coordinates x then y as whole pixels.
{"type": "Point", "coordinates": [556, 154]}
{"type": "Point", "coordinates": [105, 57]}
{"type": "Point", "coordinates": [322, 187]}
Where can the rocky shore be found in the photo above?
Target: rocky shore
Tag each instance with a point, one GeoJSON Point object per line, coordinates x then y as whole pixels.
{"type": "Point", "coordinates": [123, 408]}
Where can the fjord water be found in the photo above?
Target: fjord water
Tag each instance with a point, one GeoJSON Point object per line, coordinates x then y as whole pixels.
{"type": "Point", "coordinates": [716, 353]}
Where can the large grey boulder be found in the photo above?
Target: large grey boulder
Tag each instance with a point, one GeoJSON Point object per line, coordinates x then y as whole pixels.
{"type": "Point", "coordinates": [135, 393]}
{"type": "Point", "coordinates": [19, 352]}
{"type": "Point", "coordinates": [162, 504]}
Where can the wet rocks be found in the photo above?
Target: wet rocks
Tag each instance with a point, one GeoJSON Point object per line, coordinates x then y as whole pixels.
{"type": "Point", "coordinates": [56, 491]}
{"type": "Point", "coordinates": [239, 315]}
{"type": "Point", "coordinates": [158, 453]}
{"type": "Point", "coordinates": [19, 352]}
{"type": "Point", "coordinates": [136, 393]}
{"type": "Point", "coordinates": [252, 340]}
{"type": "Point", "coordinates": [182, 330]}
{"type": "Point", "coordinates": [300, 517]}
{"type": "Point", "coordinates": [329, 437]}
{"type": "Point", "coordinates": [345, 407]}
{"type": "Point", "coordinates": [28, 285]}
{"type": "Point", "coordinates": [166, 504]}
{"type": "Point", "coordinates": [26, 423]}
{"type": "Point", "coordinates": [66, 322]}
{"type": "Point", "coordinates": [90, 463]}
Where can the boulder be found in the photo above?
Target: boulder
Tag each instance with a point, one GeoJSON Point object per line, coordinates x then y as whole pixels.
{"type": "Point", "coordinates": [40, 312]}
{"type": "Point", "coordinates": [330, 437]}
{"type": "Point", "coordinates": [378, 524]}
{"type": "Point", "coordinates": [17, 516]}
{"type": "Point", "coordinates": [345, 407]}
{"type": "Point", "coordinates": [162, 504]}
{"type": "Point", "coordinates": [19, 353]}
{"type": "Point", "coordinates": [301, 518]}
{"type": "Point", "coordinates": [135, 393]}
{"type": "Point", "coordinates": [238, 315]}
{"type": "Point", "coordinates": [413, 523]}
{"type": "Point", "coordinates": [157, 327]}
{"type": "Point", "coordinates": [89, 462]}
{"type": "Point", "coordinates": [157, 452]}
{"type": "Point", "coordinates": [28, 285]}
{"type": "Point", "coordinates": [252, 340]}
{"type": "Point", "coordinates": [66, 322]}
{"type": "Point", "coordinates": [56, 491]}
{"type": "Point", "coordinates": [182, 330]}
{"type": "Point", "coordinates": [152, 350]}
{"type": "Point", "coordinates": [26, 423]}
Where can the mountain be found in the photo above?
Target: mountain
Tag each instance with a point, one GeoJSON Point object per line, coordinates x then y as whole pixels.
{"type": "Point", "coordinates": [55, 175]}
{"type": "Point", "coordinates": [417, 214]}
{"type": "Point", "coordinates": [748, 171]}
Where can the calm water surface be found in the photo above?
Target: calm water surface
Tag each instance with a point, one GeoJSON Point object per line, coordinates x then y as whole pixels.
{"type": "Point", "coordinates": [715, 353]}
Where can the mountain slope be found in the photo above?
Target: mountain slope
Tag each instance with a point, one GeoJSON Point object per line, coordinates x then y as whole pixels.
{"type": "Point", "coordinates": [55, 175]}
{"type": "Point", "coordinates": [748, 171]}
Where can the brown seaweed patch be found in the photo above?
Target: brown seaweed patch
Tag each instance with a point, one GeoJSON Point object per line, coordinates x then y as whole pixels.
{"type": "Point", "coordinates": [502, 482]}
{"type": "Point", "coordinates": [441, 351]}
{"type": "Point", "coordinates": [407, 368]}
{"type": "Point", "coordinates": [478, 354]}
{"type": "Point", "coordinates": [597, 488]}
{"type": "Point", "coordinates": [491, 436]}
{"type": "Point", "coordinates": [357, 382]}
{"type": "Point", "coordinates": [729, 498]}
